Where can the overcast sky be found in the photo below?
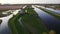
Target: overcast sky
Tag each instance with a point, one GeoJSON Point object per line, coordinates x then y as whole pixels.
{"type": "Point", "coordinates": [29, 1]}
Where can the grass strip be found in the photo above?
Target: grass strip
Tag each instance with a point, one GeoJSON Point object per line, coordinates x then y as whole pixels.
{"type": "Point", "coordinates": [15, 26]}
{"type": "Point", "coordinates": [33, 22]}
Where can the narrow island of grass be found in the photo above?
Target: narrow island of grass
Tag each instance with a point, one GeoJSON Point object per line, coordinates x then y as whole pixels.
{"type": "Point", "coordinates": [57, 16]}
{"type": "Point", "coordinates": [15, 26]}
{"type": "Point", "coordinates": [33, 22]}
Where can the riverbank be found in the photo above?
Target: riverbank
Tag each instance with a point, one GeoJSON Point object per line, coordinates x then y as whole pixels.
{"type": "Point", "coordinates": [15, 26]}
{"type": "Point", "coordinates": [33, 22]}
{"type": "Point", "coordinates": [57, 16]}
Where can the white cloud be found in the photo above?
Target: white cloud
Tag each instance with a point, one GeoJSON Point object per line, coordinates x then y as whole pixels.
{"type": "Point", "coordinates": [29, 1]}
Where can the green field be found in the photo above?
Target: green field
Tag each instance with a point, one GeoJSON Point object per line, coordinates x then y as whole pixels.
{"type": "Point", "coordinates": [33, 22]}
{"type": "Point", "coordinates": [15, 26]}
{"type": "Point", "coordinates": [30, 20]}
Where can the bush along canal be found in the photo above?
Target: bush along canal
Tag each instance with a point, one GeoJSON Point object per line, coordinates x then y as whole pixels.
{"type": "Point", "coordinates": [32, 22]}
{"type": "Point", "coordinates": [56, 15]}
{"type": "Point", "coordinates": [52, 23]}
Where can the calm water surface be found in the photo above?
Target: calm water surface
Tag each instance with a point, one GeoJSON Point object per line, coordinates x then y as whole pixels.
{"type": "Point", "coordinates": [4, 28]}
{"type": "Point", "coordinates": [51, 22]}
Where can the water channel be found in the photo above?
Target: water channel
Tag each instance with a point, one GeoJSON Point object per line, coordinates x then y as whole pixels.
{"type": "Point", "coordinates": [50, 21]}
{"type": "Point", "coordinates": [4, 28]}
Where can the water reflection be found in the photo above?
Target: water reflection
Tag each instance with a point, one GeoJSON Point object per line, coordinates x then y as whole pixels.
{"type": "Point", "coordinates": [57, 11]}
{"type": "Point", "coordinates": [49, 20]}
{"type": "Point", "coordinates": [4, 25]}
{"type": "Point", "coordinates": [4, 28]}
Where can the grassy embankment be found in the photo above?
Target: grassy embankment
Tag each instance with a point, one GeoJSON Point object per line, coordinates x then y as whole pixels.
{"type": "Point", "coordinates": [33, 22]}
{"type": "Point", "coordinates": [15, 26]}
{"type": "Point", "coordinates": [57, 16]}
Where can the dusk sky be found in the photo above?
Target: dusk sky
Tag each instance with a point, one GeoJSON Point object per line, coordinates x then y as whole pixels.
{"type": "Point", "coordinates": [30, 1]}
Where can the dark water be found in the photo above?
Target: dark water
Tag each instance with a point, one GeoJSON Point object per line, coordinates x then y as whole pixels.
{"type": "Point", "coordinates": [51, 22]}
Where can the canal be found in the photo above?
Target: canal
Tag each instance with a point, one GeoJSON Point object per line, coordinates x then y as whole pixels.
{"type": "Point", "coordinates": [54, 10]}
{"type": "Point", "coordinates": [51, 22]}
{"type": "Point", "coordinates": [4, 28]}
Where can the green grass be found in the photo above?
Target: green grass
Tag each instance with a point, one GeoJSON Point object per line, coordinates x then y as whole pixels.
{"type": "Point", "coordinates": [15, 26]}
{"type": "Point", "coordinates": [57, 16]}
{"type": "Point", "coordinates": [33, 22]}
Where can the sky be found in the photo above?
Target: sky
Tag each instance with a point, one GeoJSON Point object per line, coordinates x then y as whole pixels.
{"type": "Point", "coordinates": [30, 1]}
